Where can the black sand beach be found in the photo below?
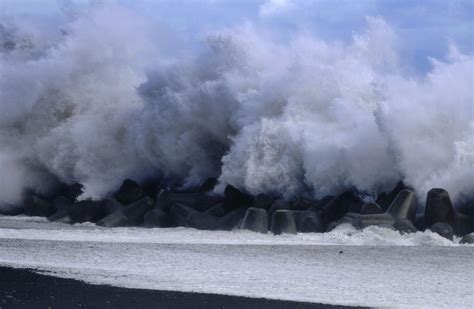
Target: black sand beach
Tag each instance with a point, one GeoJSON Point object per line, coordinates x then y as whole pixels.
{"type": "Point", "coordinates": [23, 288]}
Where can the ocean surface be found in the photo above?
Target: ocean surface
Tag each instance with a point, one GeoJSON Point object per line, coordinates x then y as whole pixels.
{"type": "Point", "coordinates": [375, 267]}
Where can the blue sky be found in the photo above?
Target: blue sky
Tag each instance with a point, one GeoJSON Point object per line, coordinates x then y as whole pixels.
{"type": "Point", "coordinates": [425, 27]}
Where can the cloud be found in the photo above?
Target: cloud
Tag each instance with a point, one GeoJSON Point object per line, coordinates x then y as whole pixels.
{"type": "Point", "coordinates": [275, 7]}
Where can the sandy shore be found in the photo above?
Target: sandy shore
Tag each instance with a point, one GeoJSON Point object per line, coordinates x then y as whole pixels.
{"type": "Point", "coordinates": [23, 288]}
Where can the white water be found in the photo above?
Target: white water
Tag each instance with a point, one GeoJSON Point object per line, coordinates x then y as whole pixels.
{"type": "Point", "coordinates": [36, 228]}
{"type": "Point", "coordinates": [96, 96]}
{"type": "Point", "coordinates": [376, 267]}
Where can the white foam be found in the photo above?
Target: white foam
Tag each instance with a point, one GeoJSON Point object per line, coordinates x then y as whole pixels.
{"type": "Point", "coordinates": [41, 229]}
{"type": "Point", "coordinates": [375, 267]}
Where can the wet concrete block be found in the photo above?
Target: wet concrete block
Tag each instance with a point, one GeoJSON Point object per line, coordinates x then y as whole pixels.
{"type": "Point", "coordinates": [443, 229]}
{"type": "Point", "coordinates": [384, 200]}
{"type": "Point", "coordinates": [439, 207]}
{"type": "Point", "coordinates": [86, 211]}
{"type": "Point", "coordinates": [279, 205]}
{"type": "Point", "coordinates": [255, 219]}
{"type": "Point", "coordinates": [37, 206]}
{"type": "Point", "coordinates": [8, 209]}
{"type": "Point", "coordinates": [129, 192]}
{"type": "Point", "coordinates": [202, 221]}
{"type": "Point", "coordinates": [62, 205]}
{"type": "Point", "coordinates": [283, 222]}
{"type": "Point", "coordinates": [129, 215]}
{"type": "Point", "coordinates": [216, 210]}
{"type": "Point", "coordinates": [467, 239]}
{"type": "Point", "coordinates": [263, 201]}
{"type": "Point", "coordinates": [404, 206]}
{"type": "Point", "coordinates": [381, 220]}
{"type": "Point", "coordinates": [370, 209]}
{"type": "Point", "coordinates": [208, 184]}
{"type": "Point", "coordinates": [179, 214]}
{"type": "Point", "coordinates": [234, 198]}
{"type": "Point", "coordinates": [231, 219]}
{"type": "Point", "coordinates": [111, 204]}
{"type": "Point", "coordinates": [309, 221]}
{"type": "Point", "coordinates": [405, 226]}
{"type": "Point", "coordinates": [305, 203]}
{"type": "Point", "coordinates": [338, 206]}
{"type": "Point", "coordinates": [462, 224]}
{"type": "Point", "coordinates": [157, 218]}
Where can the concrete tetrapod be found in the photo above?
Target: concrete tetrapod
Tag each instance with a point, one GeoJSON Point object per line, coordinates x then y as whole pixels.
{"type": "Point", "coordinates": [283, 222]}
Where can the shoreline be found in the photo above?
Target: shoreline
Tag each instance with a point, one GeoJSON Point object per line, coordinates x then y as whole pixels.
{"type": "Point", "coordinates": [24, 288]}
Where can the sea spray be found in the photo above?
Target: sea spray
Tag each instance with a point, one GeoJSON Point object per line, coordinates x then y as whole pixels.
{"type": "Point", "coordinates": [95, 99]}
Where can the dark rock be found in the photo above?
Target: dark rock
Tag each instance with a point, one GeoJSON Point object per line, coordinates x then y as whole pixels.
{"type": "Point", "coordinates": [234, 198]}
{"type": "Point", "coordinates": [443, 229]}
{"type": "Point", "coordinates": [404, 206]}
{"type": "Point", "coordinates": [283, 222]}
{"type": "Point", "coordinates": [86, 211]}
{"type": "Point", "coordinates": [208, 185]}
{"type": "Point", "coordinates": [304, 203]}
{"type": "Point", "coordinates": [256, 219]}
{"type": "Point", "coordinates": [263, 201]}
{"type": "Point", "coordinates": [405, 226]}
{"type": "Point", "coordinates": [37, 206]}
{"type": "Point", "coordinates": [462, 224]}
{"type": "Point", "coordinates": [371, 209]}
{"type": "Point", "coordinates": [438, 207]}
{"type": "Point", "coordinates": [179, 213]}
{"type": "Point", "coordinates": [384, 200]}
{"type": "Point", "coordinates": [340, 205]}
{"type": "Point", "coordinates": [216, 210]}
{"type": "Point", "coordinates": [7, 209]}
{"type": "Point", "coordinates": [129, 192]}
{"type": "Point", "coordinates": [202, 221]}
{"type": "Point", "coordinates": [467, 239]}
{"type": "Point", "coordinates": [309, 221]}
{"type": "Point", "coordinates": [232, 218]}
{"type": "Point", "coordinates": [381, 220]}
{"type": "Point", "coordinates": [129, 215]}
{"type": "Point", "coordinates": [157, 218]}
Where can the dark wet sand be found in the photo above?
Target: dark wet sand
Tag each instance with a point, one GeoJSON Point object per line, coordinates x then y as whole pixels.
{"type": "Point", "coordinates": [23, 288]}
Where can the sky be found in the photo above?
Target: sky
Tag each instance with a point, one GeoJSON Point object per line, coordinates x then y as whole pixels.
{"type": "Point", "coordinates": [425, 27]}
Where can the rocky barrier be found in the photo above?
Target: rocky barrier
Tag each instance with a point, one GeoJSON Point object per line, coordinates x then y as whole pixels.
{"type": "Point", "coordinates": [155, 205]}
